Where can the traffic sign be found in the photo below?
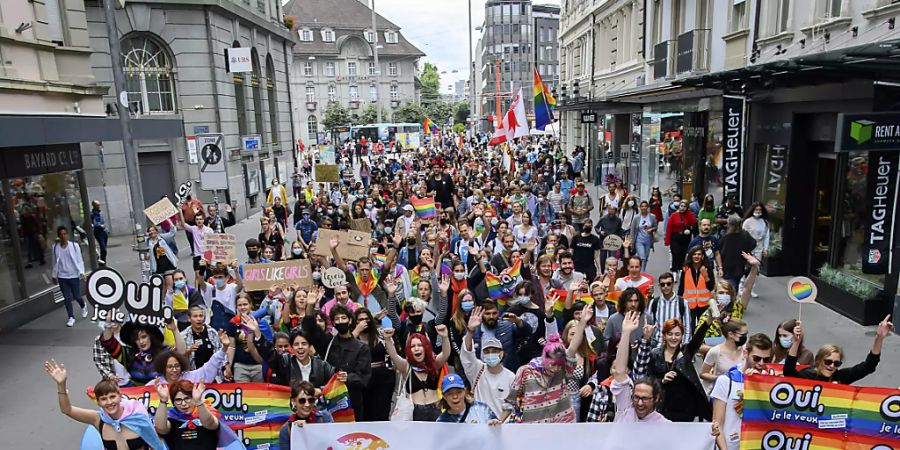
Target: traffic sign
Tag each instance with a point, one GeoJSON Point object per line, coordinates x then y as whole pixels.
{"type": "Point", "coordinates": [213, 173]}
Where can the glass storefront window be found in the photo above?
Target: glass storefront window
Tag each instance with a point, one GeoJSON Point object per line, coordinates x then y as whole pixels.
{"type": "Point", "coordinates": [851, 220]}
{"type": "Point", "coordinates": [9, 292]}
{"type": "Point", "coordinates": [772, 191]}
{"type": "Point", "coordinates": [41, 204]}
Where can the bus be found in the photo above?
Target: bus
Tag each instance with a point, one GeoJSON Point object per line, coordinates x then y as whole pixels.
{"type": "Point", "coordinates": [406, 134]}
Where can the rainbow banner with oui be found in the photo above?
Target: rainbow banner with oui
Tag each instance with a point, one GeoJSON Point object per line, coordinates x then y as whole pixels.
{"type": "Point", "coordinates": [255, 411]}
{"type": "Point", "coordinates": [794, 413]}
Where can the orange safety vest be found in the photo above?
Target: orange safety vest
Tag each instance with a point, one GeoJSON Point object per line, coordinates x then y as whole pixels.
{"type": "Point", "coordinates": [697, 295]}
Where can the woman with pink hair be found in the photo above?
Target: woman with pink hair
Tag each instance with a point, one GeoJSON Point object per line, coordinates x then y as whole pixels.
{"type": "Point", "coordinates": [538, 393]}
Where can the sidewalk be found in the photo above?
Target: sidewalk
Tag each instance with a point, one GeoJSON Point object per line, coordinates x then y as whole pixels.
{"type": "Point", "coordinates": [24, 350]}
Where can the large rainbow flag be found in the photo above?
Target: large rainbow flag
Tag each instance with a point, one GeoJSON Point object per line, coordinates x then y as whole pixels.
{"type": "Point", "coordinates": [544, 103]}
{"type": "Point", "coordinates": [818, 415]}
{"type": "Point", "coordinates": [424, 207]}
{"type": "Point", "coordinates": [255, 411]}
{"type": "Point", "coordinates": [502, 287]}
{"type": "Point", "coordinates": [336, 400]}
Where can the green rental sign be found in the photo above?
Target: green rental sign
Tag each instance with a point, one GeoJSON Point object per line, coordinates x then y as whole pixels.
{"type": "Point", "coordinates": [868, 131]}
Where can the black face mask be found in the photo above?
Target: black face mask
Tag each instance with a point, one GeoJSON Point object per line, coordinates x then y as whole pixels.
{"type": "Point", "coordinates": [415, 320]}
{"type": "Point", "coordinates": [586, 229]}
{"type": "Point", "coordinates": [342, 328]}
{"type": "Point", "coordinates": [411, 242]}
{"type": "Point", "coordinates": [742, 340]}
{"type": "Point", "coordinates": [252, 253]}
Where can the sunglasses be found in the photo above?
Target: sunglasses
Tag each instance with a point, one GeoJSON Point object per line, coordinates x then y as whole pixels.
{"type": "Point", "coordinates": [831, 362]}
{"type": "Point", "coordinates": [757, 359]}
{"type": "Point", "coordinates": [666, 284]}
{"type": "Point", "coordinates": [305, 401]}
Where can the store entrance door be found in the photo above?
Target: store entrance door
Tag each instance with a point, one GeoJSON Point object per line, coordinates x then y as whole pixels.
{"type": "Point", "coordinates": [823, 202]}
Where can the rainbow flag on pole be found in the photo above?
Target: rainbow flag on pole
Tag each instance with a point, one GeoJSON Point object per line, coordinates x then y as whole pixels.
{"type": "Point", "coordinates": [424, 207]}
{"type": "Point", "coordinates": [429, 126]}
{"type": "Point", "coordinates": [544, 103]}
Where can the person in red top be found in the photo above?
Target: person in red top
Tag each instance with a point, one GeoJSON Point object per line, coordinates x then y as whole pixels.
{"type": "Point", "coordinates": [679, 232]}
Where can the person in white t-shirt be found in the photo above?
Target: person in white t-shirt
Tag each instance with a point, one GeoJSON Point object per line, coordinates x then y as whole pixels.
{"type": "Point", "coordinates": [489, 379]}
{"type": "Point", "coordinates": [220, 296]}
{"type": "Point", "coordinates": [728, 392]}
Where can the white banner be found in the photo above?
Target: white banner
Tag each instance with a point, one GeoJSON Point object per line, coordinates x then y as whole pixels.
{"type": "Point", "coordinates": [421, 435]}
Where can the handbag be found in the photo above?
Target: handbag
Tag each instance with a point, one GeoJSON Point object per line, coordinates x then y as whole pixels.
{"type": "Point", "coordinates": [403, 405]}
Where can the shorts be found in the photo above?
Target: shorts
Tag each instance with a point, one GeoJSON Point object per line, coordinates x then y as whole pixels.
{"type": "Point", "coordinates": [197, 265]}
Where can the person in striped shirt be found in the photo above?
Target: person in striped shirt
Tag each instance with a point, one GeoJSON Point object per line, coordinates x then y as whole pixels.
{"type": "Point", "coordinates": [669, 305]}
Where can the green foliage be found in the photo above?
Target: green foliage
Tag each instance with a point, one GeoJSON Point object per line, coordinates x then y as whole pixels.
{"type": "Point", "coordinates": [369, 115]}
{"type": "Point", "coordinates": [409, 113]}
{"type": "Point", "coordinates": [335, 116]}
{"type": "Point", "coordinates": [847, 282]}
{"type": "Point", "coordinates": [431, 82]}
{"type": "Point", "coordinates": [461, 112]}
{"type": "Point", "coordinates": [459, 127]}
{"type": "Point", "coordinates": [439, 112]}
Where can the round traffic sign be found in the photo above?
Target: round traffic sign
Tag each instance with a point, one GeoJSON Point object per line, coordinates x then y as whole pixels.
{"type": "Point", "coordinates": [211, 154]}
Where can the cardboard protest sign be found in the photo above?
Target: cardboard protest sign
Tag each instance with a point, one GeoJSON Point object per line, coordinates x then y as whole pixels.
{"type": "Point", "coordinates": [353, 244]}
{"type": "Point", "coordinates": [219, 248]}
{"type": "Point", "coordinates": [160, 211]}
{"type": "Point", "coordinates": [107, 291]}
{"type": "Point", "coordinates": [327, 173]}
{"type": "Point", "coordinates": [334, 277]}
{"type": "Point", "coordinates": [612, 243]}
{"type": "Point", "coordinates": [364, 225]}
{"type": "Point", "coordinates": [261, 276]}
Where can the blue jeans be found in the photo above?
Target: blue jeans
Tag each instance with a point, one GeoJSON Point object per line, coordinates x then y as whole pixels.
{"type": "Point", "coordinates": [71, 290]}
{"type": "Point", "coordinates": [643, 251]}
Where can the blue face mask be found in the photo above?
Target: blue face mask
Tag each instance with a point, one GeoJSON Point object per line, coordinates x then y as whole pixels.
{"type": "Point", "coordinates": [467, 306]}
{"type": "Point", "coordinates": [492, 359]}
{"type": "Point", "coordinates": [180, 284]}
{"type": "Point", "coordinates": [786, 342]}
{"type": "Point", "coordinates": [220, 282]}
{"type": "Point", "coordinates": [723, 299]}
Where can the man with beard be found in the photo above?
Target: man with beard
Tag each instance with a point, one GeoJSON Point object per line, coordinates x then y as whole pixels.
{"type": "Point", "coordinates": [502, 259]}
{"type": "Point", "coordinates": [508, 333]}
{"type": "Point", "coordinates": [565, 275]}
{"type": "Point", "coordinates": [586, 248]}
{"type": "Point", "coordinates": [580, 205]}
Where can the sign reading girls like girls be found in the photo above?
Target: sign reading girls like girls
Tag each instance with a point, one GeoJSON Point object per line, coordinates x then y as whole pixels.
{"type": "Point", "coordinates": [107, 292]}
{"type": "Point", "coordinates": [261, 276]}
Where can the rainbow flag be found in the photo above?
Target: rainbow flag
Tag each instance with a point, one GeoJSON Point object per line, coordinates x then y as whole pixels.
{"type": "Point", "coordinates": [559, 305]}
{"type": "Point", "coordinates": [336, 400]}
{"type": "Point", "coordinates": [379, 259]}
{"type": "Point", "coordinates": [429, 126]}
{"type": "Point", "coordinates": [820, 415]}
{"type": "Point", "coordinates": [544, 103]}
{"type": "Point", "coordinates": [424, 207]}
{"type": "Point", "coordinates": [445, 370]}
{"type": "Point", "coordinates": [501, 287]}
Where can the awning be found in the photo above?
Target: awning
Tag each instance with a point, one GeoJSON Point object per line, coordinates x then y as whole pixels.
{"type": "Point", "coordinates": [876, 61]}
{"type": "Point", "coordinates": [29, 130]}
{"type": "Point", "coordinates": [599, 106]}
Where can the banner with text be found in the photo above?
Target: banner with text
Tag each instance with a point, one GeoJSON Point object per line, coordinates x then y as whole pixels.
{"type": "Point", "coordinates": [881, 191]}
{"type": "Point", "coordinates": [423, 435]}
{"type": "Point", "coordinates": [260, 277]}
{"type": "Point", "coordinates": [733, 136]}
{"type": "Point", "coordinates": [255, 411]}
{"type": "Point", "coordinates": [793, 413]}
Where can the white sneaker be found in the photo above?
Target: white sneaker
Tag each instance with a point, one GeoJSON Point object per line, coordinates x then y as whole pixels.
{"type": "Point", "coordinates": [70, 322]}
{"type": "Point", "coordinates": [84, 312]}
{"type": "Point", "coordinates": [754, 294]}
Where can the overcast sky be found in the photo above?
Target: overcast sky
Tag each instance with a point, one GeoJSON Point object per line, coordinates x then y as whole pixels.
{"type": "Point", "coordinates": [440, 29]}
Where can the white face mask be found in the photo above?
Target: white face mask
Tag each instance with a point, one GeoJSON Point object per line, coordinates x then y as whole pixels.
{"type": "Point", "coordinates": [630, 202]}
{"type": "Point", "coordinates": [459, 276]}
{"type": "Point", "coordinates": [757, 214]}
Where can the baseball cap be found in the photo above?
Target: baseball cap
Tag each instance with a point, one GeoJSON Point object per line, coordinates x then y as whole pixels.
{"type": "Point", "coordinates": [452, 381]}
{"type": "Point", "coordinates": [408, 208]}
{"type": "Point", "coordinates": [491, 343]}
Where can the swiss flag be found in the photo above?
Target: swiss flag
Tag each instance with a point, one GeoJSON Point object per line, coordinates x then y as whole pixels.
{"type": "Point", "coordinates": [513, 124]}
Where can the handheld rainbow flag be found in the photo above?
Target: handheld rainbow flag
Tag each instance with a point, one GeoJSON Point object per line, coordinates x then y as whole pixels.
{"type": "Point", "coordinates": [559, 305]}
{"type": "Point", "coordinates": [501, 287]}
{"type": "Point", "coordinates": [544, 103]}
{"type": "Point", "coordinates": [429, 126]}
{"type": "Point", "coordinates": [424, 207]}
{"type": "Point", "coordinates": [379, 259]}
{"type": "Point", "coordinates": [337, 400]}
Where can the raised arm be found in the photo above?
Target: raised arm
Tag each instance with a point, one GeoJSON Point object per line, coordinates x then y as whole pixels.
{"type": "Point", "coordinates": [751, 278]}
{"type": "Point", "coordinates": [208, 421]}
{"type": "Point", "coordinates": [400, 364]}
{"type": "Point", "coordinates": [335, 242]}
{"type": "Point", "coordinates": [59, 374]}
{"type": "Point", "coordinates": [575, 342]}
{"type": "Point", "coordinates": [160, 417]}
{"type": "Point", "coordinates": [180, 346]}
{"type": "Point", "coordinates": [446, 348]}
{"type": "Point", "coordinates": [620, 364]}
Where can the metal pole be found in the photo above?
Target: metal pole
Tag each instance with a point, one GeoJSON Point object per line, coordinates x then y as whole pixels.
{"type": "Point", "coordinates": [377, 67]}
{"type": "Point", "coordinates": [471, 70]}
{"type": "Point", "coordinates": [131, 160]}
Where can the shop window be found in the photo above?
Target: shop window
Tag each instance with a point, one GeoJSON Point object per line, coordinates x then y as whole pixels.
{"type": "Point", "coordinates": [772, 186]}
{"type": "Point", "coordinates": [42, 204]}
{"type": "Point", "coordinates": [851, 219]}
{"type": "Point", "coordinates": [9, 293]}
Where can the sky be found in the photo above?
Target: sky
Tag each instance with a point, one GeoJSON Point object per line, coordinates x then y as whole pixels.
{"type": "Point", "coordinates": [440, 29]}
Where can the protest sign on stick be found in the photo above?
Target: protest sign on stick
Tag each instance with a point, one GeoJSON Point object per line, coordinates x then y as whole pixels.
{"type": "Point", "coordinates": [160, 211]}
{"type": "Point", "coordinates": [220, 248]}
{"type": "Point", "coordinates": [261, 276]}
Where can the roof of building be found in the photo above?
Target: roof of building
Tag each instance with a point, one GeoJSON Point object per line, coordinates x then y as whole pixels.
{"type": "Point", "coordinates": [345, 17]}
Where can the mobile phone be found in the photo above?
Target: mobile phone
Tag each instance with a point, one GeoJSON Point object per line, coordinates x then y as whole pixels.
{"type": "Point", "coordinates": [714, 308]}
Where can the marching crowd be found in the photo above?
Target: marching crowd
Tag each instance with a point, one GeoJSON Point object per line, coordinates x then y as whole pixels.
{"type": "Point", "coordinates": [510, 304]}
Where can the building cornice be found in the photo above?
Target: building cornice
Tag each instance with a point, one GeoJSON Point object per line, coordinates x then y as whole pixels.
{"type": "Point", "coordinates": [51, 87]}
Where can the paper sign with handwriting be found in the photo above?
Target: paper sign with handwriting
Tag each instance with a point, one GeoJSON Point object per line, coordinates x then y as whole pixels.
{"type": "Point", "coordinates": [219, 248]}
{"type": "Point", "coordinates": [261, 276]}
{"type": "Point", "coordinates": [160, 211]}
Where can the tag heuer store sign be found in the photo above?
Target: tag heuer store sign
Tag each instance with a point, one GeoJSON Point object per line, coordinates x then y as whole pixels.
{"type": "Point", "coordinates": [868, 131]}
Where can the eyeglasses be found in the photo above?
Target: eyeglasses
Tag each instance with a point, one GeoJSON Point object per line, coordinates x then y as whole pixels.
{"type": "Point", "coordinates": [173, 367]}
{"type": "Point", "coordinates": [665, 284]}
{"type": "Point", "coordinates": [757, 359]}
{"type": "Point", "coordinates": [641, 399]}
{"type": "Point", "coordinates": [831, 362]}
{"type": "Point", "coordinates": [306, 401]}
{"type": "Point", "coordinates": [182, 400]}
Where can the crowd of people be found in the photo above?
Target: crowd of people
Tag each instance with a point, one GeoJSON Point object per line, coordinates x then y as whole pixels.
{"type": "Point", "coordinates": [509, 305]}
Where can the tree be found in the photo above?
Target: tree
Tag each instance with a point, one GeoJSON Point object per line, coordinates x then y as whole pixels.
{"type": "Point", "coordinates": [335, 116]}
{"type": "Point", "coordinates": [439, 112]}
{"type": "Point", "coordinates": [369, 115]}
{"type": "Point", "coordinates": [461, 112]}
{"type": "Point", "coordinates": [459, 127]}
{"type": "Point", "coordinates": [409, 113]}
{"type": "Point", "coordinates": [431, 82]}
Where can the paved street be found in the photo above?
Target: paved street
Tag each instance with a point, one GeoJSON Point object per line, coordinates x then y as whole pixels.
{"type": "Point", "coordinates": [29, 393]}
